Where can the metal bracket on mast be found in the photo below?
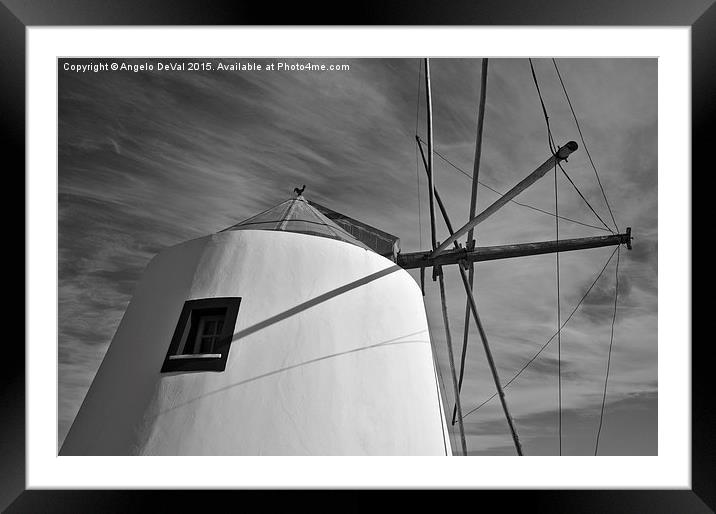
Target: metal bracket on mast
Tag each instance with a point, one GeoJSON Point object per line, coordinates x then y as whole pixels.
{"type": "Point", "coordinates": [469, 247]}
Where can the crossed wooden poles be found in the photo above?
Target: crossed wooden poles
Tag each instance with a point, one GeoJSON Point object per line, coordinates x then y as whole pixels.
{"type": "Point", "coordinates": [441, 254]}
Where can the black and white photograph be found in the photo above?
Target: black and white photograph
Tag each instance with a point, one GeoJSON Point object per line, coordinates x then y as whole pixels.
{"type": "Point", "coordinates": [357, 256]}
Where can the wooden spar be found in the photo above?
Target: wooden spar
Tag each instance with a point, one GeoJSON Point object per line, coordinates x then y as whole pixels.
{"type": "Point", "coordinates": [490, 253]}
{"type": "Point", "coordinates": [431, 182]}
{"type": "Point", "coordinates": [491, 362]}
{"type": "Point", "coordinates": [451, 358]}
{"type": "Point", "coordinates": [470, 243]}
{"type": "Point", "coordinates": [433, 195]}
{"type": "Point", "coordinates": [550, 163]}
{"type": "Point", "coordinates": [478, 147]}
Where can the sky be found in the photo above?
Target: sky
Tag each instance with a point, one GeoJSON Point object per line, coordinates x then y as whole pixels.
{"type": "Point", "coordinates": [150, 159]}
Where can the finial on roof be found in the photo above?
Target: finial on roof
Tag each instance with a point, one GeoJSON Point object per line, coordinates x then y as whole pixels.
{"type": "Point", "coordinates": [298, 191]}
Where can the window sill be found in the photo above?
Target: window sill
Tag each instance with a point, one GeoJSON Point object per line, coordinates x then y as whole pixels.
{"type": "Point", "coordinates": [195, 356]}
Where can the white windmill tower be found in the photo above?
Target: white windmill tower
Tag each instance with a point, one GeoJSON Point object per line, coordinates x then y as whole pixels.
{"type": "Point", "coordinates": [282, 335]}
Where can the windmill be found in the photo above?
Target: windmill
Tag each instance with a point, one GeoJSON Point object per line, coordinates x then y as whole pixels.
{"type": "Point", "coordinates": [288, 333]}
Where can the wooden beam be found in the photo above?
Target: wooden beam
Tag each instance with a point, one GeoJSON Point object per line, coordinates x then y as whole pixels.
{"type": "Point", "coordinates": [490, 253]}
{"type": "Point", "coordinates": [451, 359]}
{"type": "Point", "coordinates": [533, 177]}
{"type": "Point", "coordinates": [431, 181]}
{"type": "Point", "coordinates": [470, 244]}
{"type": "Point", "coordinates": [478, 146]}
{"type": "Point", "coordinates": [491, 362]}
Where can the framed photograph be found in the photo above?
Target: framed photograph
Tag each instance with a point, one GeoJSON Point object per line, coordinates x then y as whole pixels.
{"type": "Point", "coordinates": [258, 255]}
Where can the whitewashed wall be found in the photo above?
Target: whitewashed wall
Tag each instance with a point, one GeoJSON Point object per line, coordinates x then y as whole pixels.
{"type": "Point", "coordinates": [331, 357]}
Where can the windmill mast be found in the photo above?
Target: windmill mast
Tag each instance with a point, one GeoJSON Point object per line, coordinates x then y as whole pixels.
{"type": "Point", "coordinates": [431, 181]}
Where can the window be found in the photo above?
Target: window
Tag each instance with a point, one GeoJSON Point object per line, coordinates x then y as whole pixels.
{"type": "Point", "coordinates": [203, 335]}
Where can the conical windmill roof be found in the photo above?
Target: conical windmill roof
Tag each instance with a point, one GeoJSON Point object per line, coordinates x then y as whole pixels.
{"type": "Point", "coordinates": [297, 215]}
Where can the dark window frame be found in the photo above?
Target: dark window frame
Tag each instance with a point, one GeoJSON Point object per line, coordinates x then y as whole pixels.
{"type": "Point", "coordinates": [192, 311]}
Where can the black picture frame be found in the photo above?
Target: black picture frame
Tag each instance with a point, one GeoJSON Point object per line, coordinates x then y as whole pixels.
{"type": "Point", "coordinates": [700, 15]}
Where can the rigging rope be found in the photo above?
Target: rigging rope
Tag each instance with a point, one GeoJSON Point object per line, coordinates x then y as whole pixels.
{"type": "Point", "coordinates": [609, 357]}
{"type": "Point", "coordinates": [550, 141]}
{"type": "Point", "coordinates": [583, 198]}
{"type": "Point", "coordinates": [556, 211]}
{"type": "Point", "coordinates": [584, 143]}
{"type": "Point", "coordinates": [546, 344]}
{"type": "Point", "coordinates": [500, 193]}
{"type": "Point", "coordinates": [553, 147]}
